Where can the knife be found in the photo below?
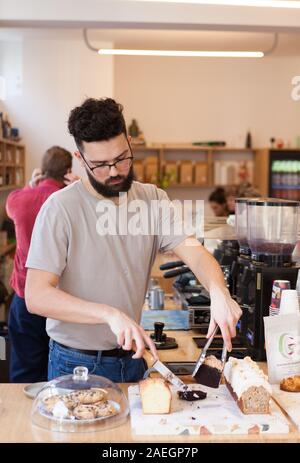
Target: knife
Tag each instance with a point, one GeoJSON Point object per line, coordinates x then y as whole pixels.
{"type": "Point", "coordinates": [167, 374]}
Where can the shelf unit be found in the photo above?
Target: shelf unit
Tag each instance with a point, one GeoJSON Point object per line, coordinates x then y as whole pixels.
{"type": "Point", "coordinates": [12, 165]}
{"type": "Point", "coordinates": [190, 166]}
{"type": "Point", "coordinates": [7, 249]}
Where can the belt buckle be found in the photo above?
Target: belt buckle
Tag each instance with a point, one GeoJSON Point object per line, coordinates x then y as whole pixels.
{"type": "Point", "coordinates": [121, 352]}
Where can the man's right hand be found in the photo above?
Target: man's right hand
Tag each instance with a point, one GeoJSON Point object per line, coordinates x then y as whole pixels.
{"type": "Point", "coordinates": [130, 335]}
{"type": "Point", "coordinates": [36, 177]}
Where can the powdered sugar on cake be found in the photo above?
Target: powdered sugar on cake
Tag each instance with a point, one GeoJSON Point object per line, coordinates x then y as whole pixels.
{"type": "Point", "coordinates": [242, 374]}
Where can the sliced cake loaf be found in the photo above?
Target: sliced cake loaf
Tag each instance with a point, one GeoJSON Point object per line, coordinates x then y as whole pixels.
{"type": "Point", "coordinates": [155, 395]}
{"type": "Point", "coordinates": [248, 385]}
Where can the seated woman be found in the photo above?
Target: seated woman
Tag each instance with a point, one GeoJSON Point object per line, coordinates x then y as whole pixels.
{"type": "Point", "coordinates": [244, 190]}
{"type": "Point", "coordinates": [217, 201]}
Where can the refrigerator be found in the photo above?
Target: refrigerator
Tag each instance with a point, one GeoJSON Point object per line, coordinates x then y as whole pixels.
{"type": "Point", "coordinates": [284, 174]}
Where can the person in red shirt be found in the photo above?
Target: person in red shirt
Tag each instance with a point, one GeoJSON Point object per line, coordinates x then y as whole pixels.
{"type": "Point", "coordinates": [29, 342]}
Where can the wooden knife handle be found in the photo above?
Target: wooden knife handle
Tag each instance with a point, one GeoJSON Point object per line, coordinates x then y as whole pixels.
{"type": "Point", "coordinates": [148, 357]}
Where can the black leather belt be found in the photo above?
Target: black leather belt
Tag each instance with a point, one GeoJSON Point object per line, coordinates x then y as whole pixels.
{"type": "Point", "coordinates": [118, 352]}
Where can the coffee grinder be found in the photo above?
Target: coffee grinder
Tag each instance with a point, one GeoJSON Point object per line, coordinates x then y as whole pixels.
{"type": "Point", "coordinates": [227, 254]}
{"type": "Point", "coordinates": [265, 256]}
{"type": "Point", "coordinates": [244, 257]}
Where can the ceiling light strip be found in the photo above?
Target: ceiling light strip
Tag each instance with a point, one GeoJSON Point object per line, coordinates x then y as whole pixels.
{"type": "Point", "coordinates": [284, 4]}
{"type": "Point", "coordinates": [201, 54]}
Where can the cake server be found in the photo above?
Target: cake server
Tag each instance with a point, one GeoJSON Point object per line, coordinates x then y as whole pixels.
{"type": "Point", "coordinates": [202, 356]}
{"type": "Point", "coordinates": [206, 374]}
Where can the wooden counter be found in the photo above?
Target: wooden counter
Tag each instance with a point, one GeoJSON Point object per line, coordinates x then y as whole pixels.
{"type": "Point", "coordinates": [16, 426]}
{"type": "Point", "coordinates": [15, 408]}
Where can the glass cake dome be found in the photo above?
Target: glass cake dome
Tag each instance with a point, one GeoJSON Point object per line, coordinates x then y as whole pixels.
{"type": "Point", "coordinates": [80, 403]}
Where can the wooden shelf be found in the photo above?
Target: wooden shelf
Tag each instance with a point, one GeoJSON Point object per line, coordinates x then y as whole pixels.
{"type": "Point", "coordinates": [12, 164]}
{"type": "Point", "coordinates": [189, 147]}
{"type": "Point", "coordinates": [11, 142]}
{"type": "Point", "coordinates": [193, 185]}
{"type": "Point", "coordinates": [10, 187]}
{"type": "Point", "coordinates": [6, 249]}
{"type": "Point", "coordinates": [172, 159]}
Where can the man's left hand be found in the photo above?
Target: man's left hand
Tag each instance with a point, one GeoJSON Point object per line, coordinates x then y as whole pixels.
{"type": "Point", "coordinates": [70, 178]}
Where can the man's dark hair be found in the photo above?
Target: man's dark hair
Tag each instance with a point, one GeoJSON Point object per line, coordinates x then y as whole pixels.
{"type": "Point", "coordinates": [218, 196]}
{"type": "Point", "coordinates": [96, 120]}
{"type": "Point", "coordinates": [56, 162]}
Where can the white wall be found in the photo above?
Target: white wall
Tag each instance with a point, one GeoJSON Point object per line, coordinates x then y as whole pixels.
{"type": "Point", "coordinates": [185, 100]}
{"type": "Point", "coordinates": [56, 74]}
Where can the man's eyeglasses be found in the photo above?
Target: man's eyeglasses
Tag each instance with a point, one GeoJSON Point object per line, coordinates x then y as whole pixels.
{"type": "Point", "coordinates": [122, 165]}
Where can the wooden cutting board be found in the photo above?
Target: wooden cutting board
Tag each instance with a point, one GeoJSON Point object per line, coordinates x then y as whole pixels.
{"type": "Point", "coordinates": [217, 414]}
{"type": "Point", "coordinates": [290, 402]}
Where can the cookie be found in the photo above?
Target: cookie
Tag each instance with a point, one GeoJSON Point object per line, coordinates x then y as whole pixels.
{"type": "Point", "coordinates": [88, 396]}
{"type": "Point", "coordinates": [68, 401]}
{"type": "Point", "coordinates": [85, 412]}
{"type": "Point", "coordinates": [50, 401]}
{"type": "Point", "coordinates": [291, 384]}
{"type": "Point", "coordinates": [104, 408]}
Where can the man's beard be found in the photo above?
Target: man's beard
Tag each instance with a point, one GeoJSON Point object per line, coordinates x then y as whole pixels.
{"type": "Point", "coordinates": [110, 190]}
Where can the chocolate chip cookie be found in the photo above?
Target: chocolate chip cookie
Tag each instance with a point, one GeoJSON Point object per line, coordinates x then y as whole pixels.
{"type": "Point", "coordinates": [88, 396]}
{"type": "Point", "coordinates": [104, 408]}
{"type": "Point", "coordinates": [50, 401]}
{"type": "Point", "coordinates": [85, 412]}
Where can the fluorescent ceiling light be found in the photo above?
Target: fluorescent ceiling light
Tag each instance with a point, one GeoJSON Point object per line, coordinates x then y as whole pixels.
{"type": "Point", "coordinates": [255, 3]}
{"type": "Point", "coordinates": [202, 54]}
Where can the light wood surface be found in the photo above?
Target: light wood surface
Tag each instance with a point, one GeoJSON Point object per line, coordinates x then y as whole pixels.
{"type": "Point", "coordinates": [16, 426]}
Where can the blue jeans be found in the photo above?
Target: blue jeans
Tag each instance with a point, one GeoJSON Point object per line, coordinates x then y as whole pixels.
{"type": "Point", "coordinates": [62, 361]}
{"type": "Point", "coordinates": [29, 344]}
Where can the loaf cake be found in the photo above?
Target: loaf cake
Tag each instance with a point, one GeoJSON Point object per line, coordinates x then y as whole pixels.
{"type": "Point", "coordinates": [210, 372]}
{"type": "Point", "coordinates": [155, 395]}
{"type": "Point", "coordinates": [291, 384]}
{"type": "Point", "coordinates": [248, 385]}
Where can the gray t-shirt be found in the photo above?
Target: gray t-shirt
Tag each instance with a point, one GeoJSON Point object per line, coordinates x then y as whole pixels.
{"type": "Point", "coordinates": [69, 240]}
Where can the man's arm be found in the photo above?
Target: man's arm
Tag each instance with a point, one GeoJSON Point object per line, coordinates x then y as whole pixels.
{"type": "Point", "coordinates": [44, 298]}
{"type": "Point", "coordinates": [225, 312]}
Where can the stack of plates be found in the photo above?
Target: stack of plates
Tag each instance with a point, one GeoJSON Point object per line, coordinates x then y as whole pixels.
{"type": "Point", "coordinates": [32, 390]}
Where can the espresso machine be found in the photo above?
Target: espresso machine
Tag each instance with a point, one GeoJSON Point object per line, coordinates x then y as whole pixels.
{"type": "Point", "coordinates": [266, 230]}
{"type": "Point", "coordinates": [244, 257]}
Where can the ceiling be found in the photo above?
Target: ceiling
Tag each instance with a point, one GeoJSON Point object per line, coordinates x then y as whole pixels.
{"type": "Point", "coordinates": [289, 43]}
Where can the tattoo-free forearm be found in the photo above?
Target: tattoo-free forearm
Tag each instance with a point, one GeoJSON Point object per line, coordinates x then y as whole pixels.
{"type": "Point", "coordinates": [49, 301]}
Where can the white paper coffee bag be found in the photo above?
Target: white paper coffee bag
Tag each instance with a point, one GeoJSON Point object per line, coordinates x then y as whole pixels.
{"type": "Point", "coordinates": [282, 335]}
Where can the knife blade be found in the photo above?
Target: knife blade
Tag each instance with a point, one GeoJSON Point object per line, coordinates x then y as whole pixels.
{"type": "Point", "coordinates": [169, 376]}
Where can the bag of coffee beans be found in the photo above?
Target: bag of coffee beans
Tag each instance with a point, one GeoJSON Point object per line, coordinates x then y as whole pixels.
{"type": "Point", "coordinates": [282, 335]}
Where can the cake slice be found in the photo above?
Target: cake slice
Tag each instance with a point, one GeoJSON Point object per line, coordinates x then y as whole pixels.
{"type": "Point", "coordinates": [248, 385]}
{"type": "Point", "coordinates": [155, 395]}
{"type": "Point", "coordinates": [210, 372]}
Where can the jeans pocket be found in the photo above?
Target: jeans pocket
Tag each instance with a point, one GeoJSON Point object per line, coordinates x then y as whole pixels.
{"type": "Point", "coordinates": [111, 368]}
